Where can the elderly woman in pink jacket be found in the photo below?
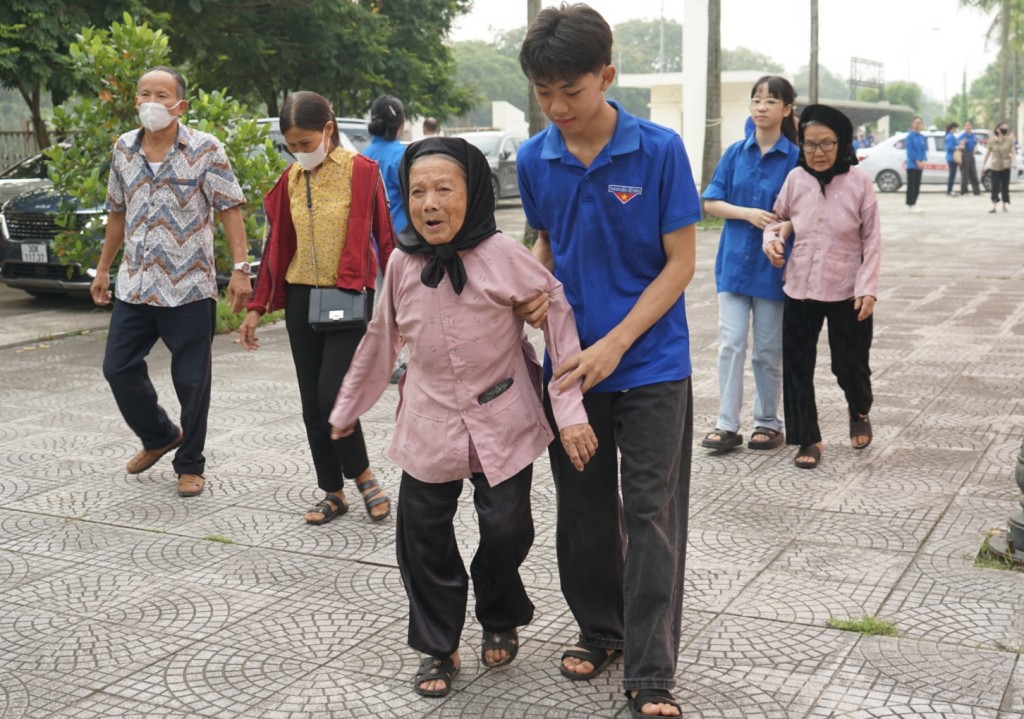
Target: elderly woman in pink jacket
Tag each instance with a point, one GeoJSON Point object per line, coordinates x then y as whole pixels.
{"type": "Point", "coordinates": [469, 406]}
{"type": "Point", "coordinates": [831, 274]}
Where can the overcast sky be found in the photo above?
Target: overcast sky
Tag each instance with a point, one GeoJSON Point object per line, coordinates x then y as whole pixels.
{"type": "Point", "coordinates": [930, 42]}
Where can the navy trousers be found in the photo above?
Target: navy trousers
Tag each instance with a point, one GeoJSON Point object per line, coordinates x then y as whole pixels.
{"type": "Point", "coordinates": [187, 331]}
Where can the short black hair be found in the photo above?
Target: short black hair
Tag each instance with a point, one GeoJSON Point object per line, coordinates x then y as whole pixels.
{"type": "Point", "coordinates": [565, 43]}
{"type": "Point", "coordinates": [431, 125]}
{"type": "Point", "coordinates": [178, 79]}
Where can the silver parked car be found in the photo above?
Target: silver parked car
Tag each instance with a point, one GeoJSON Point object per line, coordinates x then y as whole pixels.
{"type": "Point", "coordinates": [886, 162]}
{"type": "Point", "coordinates": [501, 149]}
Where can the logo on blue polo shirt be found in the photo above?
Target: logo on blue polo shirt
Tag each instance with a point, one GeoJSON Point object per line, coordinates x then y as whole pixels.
{"type": "Point", "coordinates": [625, 193]}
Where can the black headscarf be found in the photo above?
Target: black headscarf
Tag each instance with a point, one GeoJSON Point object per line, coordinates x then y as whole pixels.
{"type": "Point", "coordinates": [479, 222]}
{"type": "Point", "coordinates": [840, 124]}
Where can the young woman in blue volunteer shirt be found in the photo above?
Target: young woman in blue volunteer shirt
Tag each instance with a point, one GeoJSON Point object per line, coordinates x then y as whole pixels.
{"type": "Point", "coordinates": [917, 154]}
{"type": "Point", "coordinates": [744, 187]}
{"type": "Point", "coordinates": [951, 145]}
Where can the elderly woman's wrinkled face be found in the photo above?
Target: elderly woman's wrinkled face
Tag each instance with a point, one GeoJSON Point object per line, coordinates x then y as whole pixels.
{"type": "Point", "coordinates": [438, 198]}
{"type": "Point", "coordinates": [821, 147]}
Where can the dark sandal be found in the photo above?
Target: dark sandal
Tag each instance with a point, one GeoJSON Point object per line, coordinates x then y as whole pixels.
{"type": "Point", "coordinates": [330, 507]}
{"type": "Point", "coordinates": [643, 697]}
{"type": "Point", "coordinates": [374, 497]}
{"type": "Point", "coordinates": [726, 440]}
{"type": "Point", "coordinates": [597, 656]}
{"type": "Point", "coordinates": [435, 669]}
{"type": "Point", "coordinates": [860, 427]}
{"type": "Point", "coordinates": [509, 641]}
{"type": "Point", "coordinates": [775, 438]}
{"type": "Point", "coordinates": [808, 451]}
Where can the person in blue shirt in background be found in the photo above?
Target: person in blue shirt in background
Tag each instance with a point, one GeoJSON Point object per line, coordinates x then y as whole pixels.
{"type": "Point", "coordinates": [969, 168]}
{"type": "Point", "coordinates": [917, 155]}
{"type": "Point", "coordinates": [951, 144]}
{"type": "Point", "coordinates": [742, 191]}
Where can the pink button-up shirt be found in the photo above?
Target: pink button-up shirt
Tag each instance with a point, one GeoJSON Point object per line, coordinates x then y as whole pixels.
{"type": "Point", "coordinates": [459, 347]}
{"type": "Point", "coordinates": [838, 239]}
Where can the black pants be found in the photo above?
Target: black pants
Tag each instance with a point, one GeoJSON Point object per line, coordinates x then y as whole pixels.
{"type": "Point", "coordinates": [913, 186]}
{"type": "Point", "coordinates": [969, 173]}
{"type": "Point", "coordinates": [621, 562]}
{"type": "Point", "coordinates": [850, 344]}
{"type": "Point", "coordinates": [321, 361]}
{"type": "Point", "coordinates": [952, 177]}
{"type": "Point", "coordinates": [432, 570]}
{"type": "Point", "coordinates": [1001, 185]}
{"type": "Point", "coordinates": [187, 331]}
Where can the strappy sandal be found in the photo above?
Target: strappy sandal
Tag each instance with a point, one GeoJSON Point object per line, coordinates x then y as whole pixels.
{"type": "Point", "coordinates": [599, 657]}
{"type": "Point", "coordinates": [636, 702]}
{"type": "Point", "coordinates": [775, 438]}
{"type": "Point", "coordinates": [373, 496]}
{"type": "Point", "coordinates": [860, 426]}
{"type": "Point", "coordinates": [810, 452]}
{"type": "Point", "coordinates": [508, 641]}
{"type": "Point", "coordinates": [726, 440]}
{"type": "Point", "coordinates": [330, 507]}
{"type": "Point", "coordinates": [435, 669]}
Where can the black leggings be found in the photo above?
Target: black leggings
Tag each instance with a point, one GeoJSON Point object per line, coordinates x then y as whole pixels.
{"type": "Point", "coordinates": [1000, 185]}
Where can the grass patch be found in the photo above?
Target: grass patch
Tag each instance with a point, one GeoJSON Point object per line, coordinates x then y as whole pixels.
{"type": "Point", "coordinates": [709, 222]}
{"type": "Point", "coordinates": [228, 321]}
{"type": "Point", "coordinates": [989, 559]}
{"type": "Point", "coordinates": [218, 538]}
{"type": "Point", "coordinates": [871, 626]}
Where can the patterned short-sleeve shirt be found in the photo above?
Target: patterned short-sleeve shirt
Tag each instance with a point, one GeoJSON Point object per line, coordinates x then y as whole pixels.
{"type": "Point", "coordinates": [168, 237]}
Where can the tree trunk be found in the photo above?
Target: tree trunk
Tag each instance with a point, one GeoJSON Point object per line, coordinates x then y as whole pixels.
{"type": "Point", "coordinates": [1004, 56]}
{"type": "Point", "coordinates": [713, 124]}
{"type": "Point", "coordinates": [34, 101]}
{"type": "Point", "coordinates": [812, 67]}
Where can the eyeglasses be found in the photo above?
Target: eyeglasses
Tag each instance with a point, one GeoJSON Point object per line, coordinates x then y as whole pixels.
{"type": "Point", "coordinates": [768, 102]}
{"type": "Point", "coordinates": [811, 147]}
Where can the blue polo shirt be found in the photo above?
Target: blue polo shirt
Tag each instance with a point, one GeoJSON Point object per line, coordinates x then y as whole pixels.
{"type": "Point", "coordinates": [605, 224]}
{"type": "Point", "coordinates": [972, 140]}
{"type": "Point", "coordinates": [388, 154]}
{"type": "Point", "coordinates": [746, 178]}
{"type": "Point", "coordinates": [917, 149]}
{"type": "Point", "coordinates": [951, 143]}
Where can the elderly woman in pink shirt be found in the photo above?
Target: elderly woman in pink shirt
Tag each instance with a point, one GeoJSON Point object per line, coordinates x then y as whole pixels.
{"type": "Point", "coordinates": [831, 274]}
{"type": "Point", "coordinates": [469, 406]}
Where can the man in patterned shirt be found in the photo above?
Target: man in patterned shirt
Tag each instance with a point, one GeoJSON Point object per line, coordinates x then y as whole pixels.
{"type": "Point", "coordinates": [166, 181]}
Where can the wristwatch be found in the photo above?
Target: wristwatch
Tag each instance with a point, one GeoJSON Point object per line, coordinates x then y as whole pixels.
{"type": "Point", "coordinates": [242, 267]}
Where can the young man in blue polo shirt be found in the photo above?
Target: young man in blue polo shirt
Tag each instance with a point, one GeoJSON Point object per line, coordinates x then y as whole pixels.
{"type": "Point", "coordinates": [917, 155]}
{"type": "Point", "coordinates": [614, 201]}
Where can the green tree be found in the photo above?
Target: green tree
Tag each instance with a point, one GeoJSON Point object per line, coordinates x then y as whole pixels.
{"type": "Point", "coordinates": [830, 85]}
{"type": "Point", "coordinates": [898, 93]}
{"type": "Point", "coordinates": [491, 76]}
{"type": "Point", "coordinates": [746, 59]}
{"type": "Point", "coordinates": [110, 61]}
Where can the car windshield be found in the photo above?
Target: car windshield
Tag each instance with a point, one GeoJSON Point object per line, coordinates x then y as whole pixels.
{"type": "Point", "coordinates": [34, 168]}
{"type": "Point", "coordinates": [488, 144]}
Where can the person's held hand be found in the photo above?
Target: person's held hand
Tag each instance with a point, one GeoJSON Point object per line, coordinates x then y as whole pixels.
{"type": "Point", "coordinates": [592, 365]}
{"type": "Point", "coordinates": [761, 218]}
{"type": "Point", "coordinates": [580, 444]}
{"type": "Point", "coordinates": [339, 432]}
{"type": "Point", "coordinates": [534, 310]}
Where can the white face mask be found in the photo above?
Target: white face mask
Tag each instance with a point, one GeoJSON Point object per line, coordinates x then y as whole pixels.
{"type": "Point", "coordinates": [155, 116]}
{"type": "Point", "coordinates": [312, 160]}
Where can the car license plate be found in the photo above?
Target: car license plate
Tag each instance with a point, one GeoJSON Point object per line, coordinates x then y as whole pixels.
{"type": "Point", "coordinates": [33, 253]}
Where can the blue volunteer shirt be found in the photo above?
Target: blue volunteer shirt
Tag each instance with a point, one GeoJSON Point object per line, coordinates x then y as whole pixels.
{"type": "Point", "coordinates": [746, 178]}
{"type": "Point", "coordinates": [605, 224]}
{"type": "Point", "coordinates": [388, 154]}
{"type": "Point", "coordinates": [972, 140]}
{"type": "Point", "coordinates": [917, 149]}
{"type": "Point", "coordinates": [951, 143]}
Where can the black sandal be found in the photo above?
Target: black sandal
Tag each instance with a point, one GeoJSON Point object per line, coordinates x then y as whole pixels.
{"type": "Point", "coordinates": [808, 451]}
{"type": "Point", "coordinates": [435, 669]}
{"type": "Point", "coordinates": [775, 438]}
{"type": "Point", "coordinates": [508, 640]}
{"type": "Point", "coordinates": [726, 440]}
{"type": "Point", "coordinates": [599, 657]}
{"type": "Point", "coordinates": [636, 702]}
{"type": "Point", "coordinates": [330, 507]}
{"type": "Point", "coordinates": [373, 496]}
{"type": "Point", "coordinates": [860, 426]}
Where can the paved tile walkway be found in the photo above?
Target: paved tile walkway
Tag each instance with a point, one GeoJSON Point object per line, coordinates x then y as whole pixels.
{"type": "Point", "coordinates": [119, 599]}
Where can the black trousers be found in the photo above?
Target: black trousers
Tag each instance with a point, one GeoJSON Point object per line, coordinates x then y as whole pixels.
{"type": "Point", "coordinates": [913, 186]}
{"type": "Point", "coordinates": [321, 361]}
{"type": "Point", "coordinates": [432, 570]}
{"type": "Point", "coordinates": [1001, 185]}
{"type": "Point", "coordinates": [850, 345]}
{"type": "Point", "coordinates": [969, 173]}
{"type": "Point", "coordinates": [187, 331]}
{"type": "Point", "coordinates": [953, 167]}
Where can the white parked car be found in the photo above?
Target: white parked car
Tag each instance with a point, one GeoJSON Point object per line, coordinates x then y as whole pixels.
{"type": "Point", "coordinates": [886, 162]}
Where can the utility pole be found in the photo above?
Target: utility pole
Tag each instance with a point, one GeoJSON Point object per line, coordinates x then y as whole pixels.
{"type": "Point", "coordinates": [534, 113]}
{"type": "Point", "coordinates": [812, 68]}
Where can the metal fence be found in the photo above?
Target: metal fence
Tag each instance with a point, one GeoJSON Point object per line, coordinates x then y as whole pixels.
{"type": "Point", "coordinates": [15, 146]}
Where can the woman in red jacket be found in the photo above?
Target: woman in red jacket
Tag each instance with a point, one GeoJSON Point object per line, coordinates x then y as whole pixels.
{"type": "Point", "coordinates": [325, 215]}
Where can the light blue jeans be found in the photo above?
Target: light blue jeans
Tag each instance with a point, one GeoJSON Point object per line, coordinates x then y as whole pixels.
{"type": "Point", "coordinates": [734, 312]}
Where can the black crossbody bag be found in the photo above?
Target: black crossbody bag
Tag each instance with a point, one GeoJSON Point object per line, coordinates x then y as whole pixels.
{"type": "Point", "coordinates": [335, 308]}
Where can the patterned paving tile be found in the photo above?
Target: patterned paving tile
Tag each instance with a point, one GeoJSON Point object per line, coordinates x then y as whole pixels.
{"type": "Point", "coordinates": [802, 600]}
{"type": "Point", "coordinates": [28, 696]}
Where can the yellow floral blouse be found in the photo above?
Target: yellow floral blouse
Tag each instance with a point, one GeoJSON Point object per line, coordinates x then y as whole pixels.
{"type": "Point", "coordinates": [325, 223]}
